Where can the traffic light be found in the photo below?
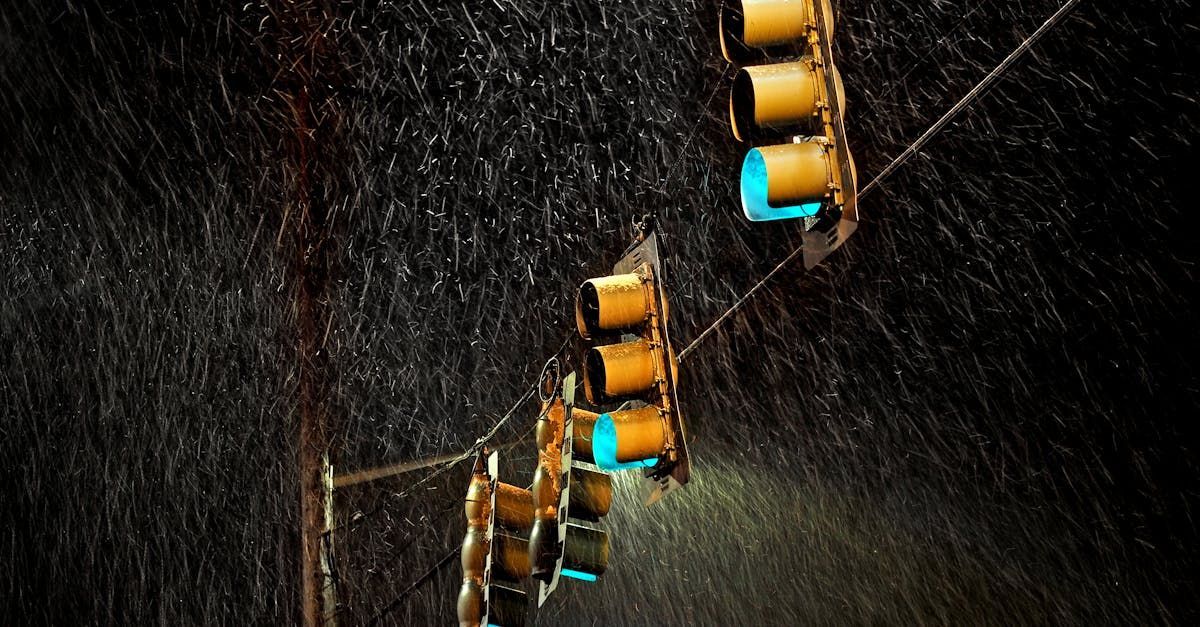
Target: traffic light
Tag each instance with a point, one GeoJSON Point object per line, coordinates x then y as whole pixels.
{"type": "Point", "coordinates": [799, 100]}
{"type": "Point", "coordinates": [625, 315]}
{"type": "Point", "coordinates": [490, 557]}
{"type": "Point", "coordinates": [563, 489]}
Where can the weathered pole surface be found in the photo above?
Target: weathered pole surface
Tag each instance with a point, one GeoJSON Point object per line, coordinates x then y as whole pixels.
{"type": "Point", "coordinates": [308, 71]}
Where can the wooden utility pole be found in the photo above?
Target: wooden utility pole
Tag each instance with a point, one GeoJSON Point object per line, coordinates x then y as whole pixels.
{"type": "Point", "coordinates": [308, 71]}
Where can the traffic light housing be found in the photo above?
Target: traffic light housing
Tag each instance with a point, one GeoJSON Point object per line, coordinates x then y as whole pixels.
{"type": "Point", "coordinates": [492, 558]}
{"type": "Point", "coordinates": [563, 489]}
{"type": "Point", "coordinates": [800, 100]}
{"type": "Point", "coordinates": [624, 316]}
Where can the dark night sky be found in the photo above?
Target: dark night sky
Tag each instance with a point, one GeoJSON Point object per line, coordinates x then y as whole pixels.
{"type": "Point", "coordinates": [979, 411]}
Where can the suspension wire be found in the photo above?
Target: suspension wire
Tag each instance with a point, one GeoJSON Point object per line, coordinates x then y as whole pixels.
{"type": "Point", "coordinates": [470, 452]}
{"type": "Point", "coordinates": [912, 149]}
{"type": "Point", "coordinates": [928, 53]}
{"type": "Point", "coordinates": [410, 540]}
{"type": "Point", "coordinates": [972, 95]}
{"type": "Point", "coordinates": [662, 188]}
{"type": "Point", "coordinates": [412, 537]}
{"type": "Point", "coordinates": [474, 449]}
{"type": "Point", "coordinates": [395, 603]}
{"type": "Point", "coordinates": [738, 305]}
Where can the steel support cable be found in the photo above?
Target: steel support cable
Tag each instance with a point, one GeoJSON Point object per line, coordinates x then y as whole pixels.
{"type": "Point", "coordinates": [470, 452]}
{"type": "Point", "coordinates": [395, 603]}
{"type": "Point", "coordinates": [912, 149]}
{"type": "Point", "coordinates": [975, 92]}
{"type": "Point", "coordinates": [662, 189]}
{"type": "Point", "coordinates": [474, 449]}
{"type": "Point", "coordinates": [928, 53]}
{"type": "Point", "coordinates": [410, 539]}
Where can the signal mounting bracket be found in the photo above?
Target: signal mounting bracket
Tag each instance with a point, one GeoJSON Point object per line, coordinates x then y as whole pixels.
{"type": "Point", "coordinates": [821, 238]}
{"type": "Point", "coordinates": [668, 475]}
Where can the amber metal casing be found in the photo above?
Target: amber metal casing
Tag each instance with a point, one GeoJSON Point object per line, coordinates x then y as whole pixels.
{"type": "Point", "coordinates": [761, 23]}
{"type": "Point", "coordinates": [547, 489]}
{"type": "Point", "coordinates": [514, 507]}
{"type": "Point", "coordinates": [641, 433]}
{"type": "Point", "coordinates": [632, 360]}
{"type": "Point", "coordinates": [612, 302]}
{"type": "Point", "coordinates": [547, 477]}
{"type": "Point", "coordinates": [583, 422]}
{"type": "Point", "coordinates": [772, 96]}
{"type": "Point", "coordinates": [617, 370]}
{"type": "Point", "coordinates": [490, 558]}
{"type": "Point", "coordinates": [562, 491]}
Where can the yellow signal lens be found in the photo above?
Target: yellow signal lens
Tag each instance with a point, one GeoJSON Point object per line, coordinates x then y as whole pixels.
{"type": "Point", "coordinates": [618, 370]}
{"type": "Point", "coordinates": [612, 303]}
{"type": "Point", "coordinates": [773, 96]}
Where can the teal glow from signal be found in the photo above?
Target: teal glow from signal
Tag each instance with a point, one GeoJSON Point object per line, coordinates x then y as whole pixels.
{"type": "Point", "coordinates": [754, 194]}
{"type": "Point", "coordinates": [575, 574]}
{"type": "Point", "coordinates": [604, 447]}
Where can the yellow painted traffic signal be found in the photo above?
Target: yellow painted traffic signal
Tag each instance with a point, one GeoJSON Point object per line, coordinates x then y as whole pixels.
{"type": "Point", "coordinates": [624, 317]}
{"type": "Point", "coordinates": [491, 557]}
{"type": "Point", "coordinates": [799, 98]}
{"type": "Point", "coordinates": [564, 489]}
